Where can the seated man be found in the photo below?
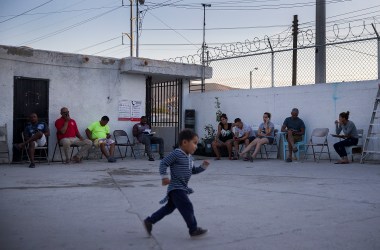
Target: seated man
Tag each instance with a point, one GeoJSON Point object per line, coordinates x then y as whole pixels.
{"type": "Point", "coordinates": [35, 134]}
{"type": "Point", "coordinates": [99, 134]}
{"type": "Point", "coordinates": [294, 128]}
{"type": "Point", "coordinates": [243, 134]}
{"type": "Point", "coordinates": [142, 132]}
{"type": "Point", "coordinates": [68, 134]}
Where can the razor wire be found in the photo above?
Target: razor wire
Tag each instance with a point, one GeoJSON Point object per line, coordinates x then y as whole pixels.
{"type": "Point", "coordinates": [306, 38]}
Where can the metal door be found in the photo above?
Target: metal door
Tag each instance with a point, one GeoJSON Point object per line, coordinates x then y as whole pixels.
{"type": "Point", "coordinates": [30, 96]}
{"type": "Point", "coordinates": [164, 105]}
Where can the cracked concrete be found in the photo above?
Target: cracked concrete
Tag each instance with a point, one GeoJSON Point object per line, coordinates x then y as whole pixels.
{"type": "Point", "coordinates": [267, 204]}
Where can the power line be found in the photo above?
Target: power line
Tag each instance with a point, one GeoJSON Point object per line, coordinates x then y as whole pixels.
{"type": "Point", "coordinates": [38, 18]}
{"type": "Point", "coordinates": [26, 11]}
{"type": "Point", "coordinates": [170, 27]}
{"type": "Point", "coordinates": [63, 11]}
{"type": "Point", "coordinates": [106, 41]}
{"type": "Point", "coordinates": [234, 7]}
{"type": "Point", "coordinates": [67, 28]}
{"type": "Point", "coordinates": [221, 28]}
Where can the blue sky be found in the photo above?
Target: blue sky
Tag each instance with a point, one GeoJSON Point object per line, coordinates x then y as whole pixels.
{"type": "Point", "coordinates": [170, 28]}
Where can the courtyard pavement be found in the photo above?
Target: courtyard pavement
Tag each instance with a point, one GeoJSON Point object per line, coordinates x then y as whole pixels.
{"type": "Point", "coordinates": [267, 204]}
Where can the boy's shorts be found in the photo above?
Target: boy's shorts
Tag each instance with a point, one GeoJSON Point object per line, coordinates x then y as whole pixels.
{"type": "Point", "coordinates": [40, 142]}
{"type": "Point", "coordinates": [107, 142]}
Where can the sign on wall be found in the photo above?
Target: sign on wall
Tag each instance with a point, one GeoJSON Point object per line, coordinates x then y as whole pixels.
{"type": "Point", "coordinates": [129, 110]}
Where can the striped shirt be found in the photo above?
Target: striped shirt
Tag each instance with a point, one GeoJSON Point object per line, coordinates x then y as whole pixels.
{"type": "Point", "coordinates": [181, 168]}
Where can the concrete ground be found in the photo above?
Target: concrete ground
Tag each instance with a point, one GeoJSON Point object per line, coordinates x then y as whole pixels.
{"type": "Point", "coordinates": [267, 204]}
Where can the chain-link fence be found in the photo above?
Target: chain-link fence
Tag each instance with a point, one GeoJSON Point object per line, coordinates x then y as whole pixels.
{"type": "Point", "coordinates": [345, 62]}
{"type": "Point", "coordinates": [269, 62]}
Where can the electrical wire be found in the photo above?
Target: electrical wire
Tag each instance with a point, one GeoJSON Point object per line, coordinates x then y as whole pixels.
{"type": "Point", "coordinates": [26, 11]}
{"type": "Point", "coordinates": [68, 28]}
{"type": "Point", "coordinates": [100, 43]}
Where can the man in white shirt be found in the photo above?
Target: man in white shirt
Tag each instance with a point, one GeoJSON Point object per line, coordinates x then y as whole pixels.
{"type": "Point", "coordinates": [243, 134]}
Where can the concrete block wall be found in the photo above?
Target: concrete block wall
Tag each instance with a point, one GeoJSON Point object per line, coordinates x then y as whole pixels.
{"type": "Point", "coordinates": [319, 105]}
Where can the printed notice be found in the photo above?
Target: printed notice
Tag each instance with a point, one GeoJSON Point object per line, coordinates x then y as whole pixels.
{"type": "Point", "coordinates": [129, 110]}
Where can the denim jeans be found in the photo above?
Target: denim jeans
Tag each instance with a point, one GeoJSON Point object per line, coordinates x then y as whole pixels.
{"type": "Point", "coordinates": [177, 199]}
{"type": "Point", "coordinates": [339, 146]}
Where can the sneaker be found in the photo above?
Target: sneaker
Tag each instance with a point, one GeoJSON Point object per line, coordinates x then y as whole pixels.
{"type": "Point", "coordinates": [32, 165]}
{"type": "Point", "coordinates": [151, 159]}
{"type": "Point", "coordinates": [198, 232]}
{"type": "Point", "coordinates": [148, 226]}
{"type": "Point", "coordinates": [111, 159]}
{"type": "Point", "coordinates": [288, 160]}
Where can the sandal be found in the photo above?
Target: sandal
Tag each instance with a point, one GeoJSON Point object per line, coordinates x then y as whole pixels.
{"type": "Point", "coordinates": [246, 159]}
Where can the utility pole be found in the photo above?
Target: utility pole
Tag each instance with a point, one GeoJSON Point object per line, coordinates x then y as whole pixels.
{"type": "Point", "coordinates": [320, 42]}
{"type": "Point", "coordinates": [295, 41]}
{"type": "Point", "coordinates": [204, 46]}
{"type": "Point", "coordinates": [137, 24]}
{"type": "Point", "coordinates": [131, 24]}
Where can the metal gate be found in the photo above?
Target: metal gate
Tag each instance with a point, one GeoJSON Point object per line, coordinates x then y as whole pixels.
{"type": "Point", "coordinates": [30, 96]}
{"type": "Point", "coordinates": [164, 106]}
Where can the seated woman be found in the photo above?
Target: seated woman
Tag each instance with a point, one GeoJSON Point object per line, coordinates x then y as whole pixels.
{"type": "Point", "coordinates": [223, 137]}
{"type": "Point", "coordinates": [350, 136]}
{"type": "Point", "coordinates": [265, 135]}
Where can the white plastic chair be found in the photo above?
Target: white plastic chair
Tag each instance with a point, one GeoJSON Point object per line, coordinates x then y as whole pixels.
{"type": "Point", "coordinates": [4, 149]}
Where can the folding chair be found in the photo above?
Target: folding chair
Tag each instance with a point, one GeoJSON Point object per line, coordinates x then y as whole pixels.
{"type": "Point", "coordinates": [122, 140]}
{"type": "Point", "coordinates": [60, 152]}
{"type": "Point", "coordinates": [356, 149]}
{"type": "Point", "coordinates": [273, 147]}
{"type": "Point", "coordinates": [301, 145]}
{"type": "Point", "coordinates": [40, 149]}
{"type": "Point", "coordinates": [4, 149]}
{"type": "Point", "coordinates": [318, 138]}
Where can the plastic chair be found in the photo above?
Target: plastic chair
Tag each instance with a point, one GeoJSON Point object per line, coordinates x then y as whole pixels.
{"type": "Point", "coordinates": [122, 140]}
{"type": "Point", "coordinates": [41, 149]}
{"type": "Point", "coordinates": [301, 145]}
{"type": "Point", "coordinates": [356, 149]}
{"type": "Point", "coordinates": [318, 138]}
{"type": "Point", "coordinates": [4, 149]}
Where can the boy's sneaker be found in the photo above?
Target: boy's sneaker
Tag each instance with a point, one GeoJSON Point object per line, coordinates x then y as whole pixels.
{"type": "Point", "coordinates": [148, 226]}
{"type": "Point", "coordinates": [198, 232]}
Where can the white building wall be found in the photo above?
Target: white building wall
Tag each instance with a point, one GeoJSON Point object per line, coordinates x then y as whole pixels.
{"type": "Point", "coordinates": [319, 105]}
{"type": "Point", "coordinates": [88, 89]}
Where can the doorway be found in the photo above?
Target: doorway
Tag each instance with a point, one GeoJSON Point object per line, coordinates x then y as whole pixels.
{"type": "Point", "coordinates": [30, 96]}
{"type": "Point", "coordinates": [164, 109]}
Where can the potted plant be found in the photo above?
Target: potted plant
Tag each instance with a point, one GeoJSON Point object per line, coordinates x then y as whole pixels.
{"type": "Point", "coordinates": [208, 138]}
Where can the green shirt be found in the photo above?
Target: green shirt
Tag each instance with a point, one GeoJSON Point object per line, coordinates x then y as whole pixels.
{"type": "Point", "coordinates": [98, 131]}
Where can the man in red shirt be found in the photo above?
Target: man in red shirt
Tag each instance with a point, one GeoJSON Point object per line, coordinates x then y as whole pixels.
{"type": "Point", "coordinates": [68, 134]}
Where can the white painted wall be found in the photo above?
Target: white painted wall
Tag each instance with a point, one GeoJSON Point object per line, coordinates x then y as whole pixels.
{"type": "Point", "coordinates": [89, 90]}
{"type": "Point", "coordinates": [319, 105]}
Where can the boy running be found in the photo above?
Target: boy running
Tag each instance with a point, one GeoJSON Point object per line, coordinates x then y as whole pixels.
{"type": "Point", "coordinates": [181, 167]}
